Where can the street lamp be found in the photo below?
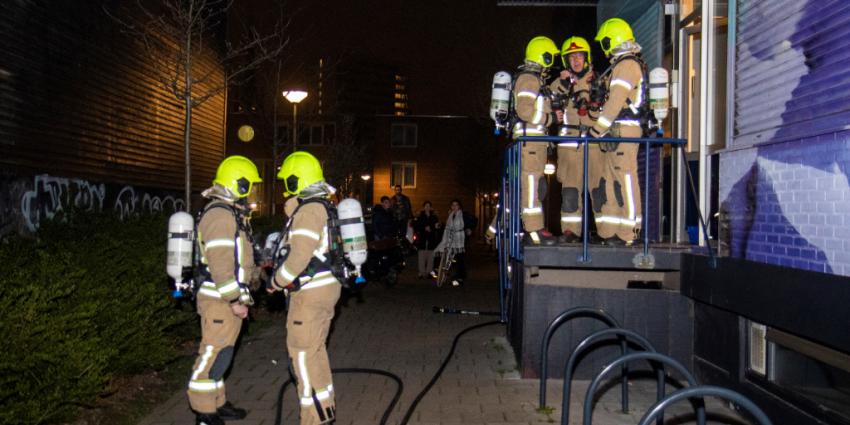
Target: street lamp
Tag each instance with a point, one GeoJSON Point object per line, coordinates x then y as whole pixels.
{"type": "Point", "coordinates": [294, 97]}
{"type": "Point", "coordinates": [365, 176]}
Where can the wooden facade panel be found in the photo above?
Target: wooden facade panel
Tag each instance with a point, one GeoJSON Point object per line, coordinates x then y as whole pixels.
{"type": "Point", "coordinates": [79, 98]}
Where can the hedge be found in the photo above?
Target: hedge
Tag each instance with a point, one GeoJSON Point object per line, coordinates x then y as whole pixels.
{"type": "Point", "coordinates": [83, 301]}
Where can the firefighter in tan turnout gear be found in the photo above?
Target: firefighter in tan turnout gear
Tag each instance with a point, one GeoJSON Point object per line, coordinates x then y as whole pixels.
{"type": "Point", "coordinates": [307, 278]}
{"type": "Point", "coordinates": [573, 87]}
{"type": "Point", "coordinates": [227, 262]}
{"type": "Point", "coordinates": [533, 108]}
{"type": "Point", "coordinates": [616, 193]}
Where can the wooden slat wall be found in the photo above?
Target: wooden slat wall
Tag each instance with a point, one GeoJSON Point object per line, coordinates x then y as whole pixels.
{"type": "Point", "coordinates": [78, 98]}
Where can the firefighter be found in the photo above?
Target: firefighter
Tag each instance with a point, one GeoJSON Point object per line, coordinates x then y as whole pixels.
{"type": "Point", "coordinates": [573, 87]}
{"type": "Point", "coordinates": [616, 193]}
{"type": "Point", "coordinates": [227, 262]}
{"type": "Point", "coordinates": [307, 278]}
{"type": "Point", "coordinates": [533, 110]}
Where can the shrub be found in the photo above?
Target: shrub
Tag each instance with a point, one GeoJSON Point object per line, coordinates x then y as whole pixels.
{"type": "Point", "coordinates": [86, 299]}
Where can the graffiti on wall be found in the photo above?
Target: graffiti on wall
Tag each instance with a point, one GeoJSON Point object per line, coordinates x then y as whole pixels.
{"type": "Point", "coordinates": [47, 196]}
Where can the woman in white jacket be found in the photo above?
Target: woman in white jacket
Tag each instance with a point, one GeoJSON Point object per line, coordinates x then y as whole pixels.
{"type": "Point", "coordinates": [453, 244]}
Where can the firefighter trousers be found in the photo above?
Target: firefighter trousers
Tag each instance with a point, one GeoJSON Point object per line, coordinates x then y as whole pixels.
{"type": "Point", "coordinates": [616, 190]}
{"type": "Point", "coordinates": [533, 185]}
{"type": "Point", "coordinates": [571, 176]}
{"type": "Point", "coordinates": [308, 322]}
{"type": "Point", "coordinates": [219, 331]}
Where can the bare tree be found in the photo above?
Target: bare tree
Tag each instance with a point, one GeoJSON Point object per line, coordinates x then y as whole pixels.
{"type": "Point", "coordinates": [176, 37]}
{"type": "Point", "coordinates": [347, 157]}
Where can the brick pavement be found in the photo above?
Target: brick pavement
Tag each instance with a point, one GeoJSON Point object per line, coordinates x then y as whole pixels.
{"type": "Point", "coordinates": [396, 330]}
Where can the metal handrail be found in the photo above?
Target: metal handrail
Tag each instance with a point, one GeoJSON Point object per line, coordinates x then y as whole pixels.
{"type": "Point", "coordinates": [702, 391]}
{"type": "Point", "coordinates": [647, 142]}
{"type": "Point", "coordinates": [660, 358]}
{"type": "Point", "coordinates": [622, 334]}
{"type": "Point", "coordinates": [566, 316]}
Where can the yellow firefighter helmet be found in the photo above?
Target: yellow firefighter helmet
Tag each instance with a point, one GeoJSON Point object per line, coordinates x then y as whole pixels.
{"type": "Point", "coordinates": [238, 174]}
{"type": "Point", "coordinates": [541, 50]}
{"type": "Point", "coordinates": [613, 33]}
{"type": "Point", "coordinates": [299, 170]}
{"type": "Point", "coordinates": [572, 45]}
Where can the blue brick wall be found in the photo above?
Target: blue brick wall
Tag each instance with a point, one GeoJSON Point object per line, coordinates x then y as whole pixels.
{"type": "Point", "coordinates": [788, 203]}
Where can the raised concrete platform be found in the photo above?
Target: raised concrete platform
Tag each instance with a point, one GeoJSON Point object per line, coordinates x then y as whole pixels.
{"type": "Point", "coordinates": [665, 256]}
{"type": "Point", "coordinates": [553, 280]}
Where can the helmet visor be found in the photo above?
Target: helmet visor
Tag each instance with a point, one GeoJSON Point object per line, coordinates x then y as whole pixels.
{"type": "Point", "coordinates": [291, 184]}
{"type": "Point", "coordinates": [605, 43]}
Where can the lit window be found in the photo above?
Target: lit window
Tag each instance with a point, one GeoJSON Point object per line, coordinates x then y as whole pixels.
{"type": "Point", "coordinates": [403, 135]}
{"type": "Point", "coordinates": [404, 174]}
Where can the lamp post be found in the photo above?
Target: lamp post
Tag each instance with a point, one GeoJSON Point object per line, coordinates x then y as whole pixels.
{"type": "Point", "coordinates": [294, 97]}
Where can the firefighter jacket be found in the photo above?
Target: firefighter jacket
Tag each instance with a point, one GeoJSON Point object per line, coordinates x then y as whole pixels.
{"type": "Point", "coordinates": [227, 254]}
{"type": "Point", "coordinates": [533, 107]}
{"type": "Point", "coordinates": [625, 94]}
{"type": "Point", "coordinates": [308, 248]}
{"type": "Point", "coordinates": [575, 93]}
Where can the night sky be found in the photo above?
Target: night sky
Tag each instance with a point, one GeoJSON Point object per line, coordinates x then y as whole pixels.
{"type": "Point", "coordinates": [449, 49]}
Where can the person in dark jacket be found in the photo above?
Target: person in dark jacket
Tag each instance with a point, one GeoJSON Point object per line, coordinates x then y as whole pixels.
{"type": "Point", "coordinates": [402, 211]}
{"type": "Point", "coordinates": [425, 228]}
{"type": "Point", "coordinates": [383, 225]}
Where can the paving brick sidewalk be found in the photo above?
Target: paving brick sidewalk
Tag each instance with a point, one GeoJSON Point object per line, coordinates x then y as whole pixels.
{"type": "Point", "coordinates": [396, 330]}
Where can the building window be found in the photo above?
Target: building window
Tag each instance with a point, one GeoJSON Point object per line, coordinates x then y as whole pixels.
{"type": "Point", "coordinates": [800, 369]}
{"type": "Point", "coordinates": [329, 133]}
{"type": "Point", "coordinates": [316, 134]}
{"type": "Point", "coordinates": [403, 136]}
{"type": "Point", "coordinates": [404, 174]}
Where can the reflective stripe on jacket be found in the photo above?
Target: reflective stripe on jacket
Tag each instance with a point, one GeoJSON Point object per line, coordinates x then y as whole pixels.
{"type": "Point", "coordinates": [533, 109]}
{"type": "Point", "coordinates": [625, 82]}
{"type": "Point", "coordinates": [228, 258]}
{"type": "Point", "coordinates": [307, 238]}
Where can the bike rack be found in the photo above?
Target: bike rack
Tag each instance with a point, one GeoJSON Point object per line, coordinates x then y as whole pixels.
{"type": "Point", "coordinates": [584, 345]}
{"type": "Point", "coordinates": [566, 316]}
{"type": "Point", "coordinates": [660, 358]}
{"type": "Point", "coordinates": [702, 391]}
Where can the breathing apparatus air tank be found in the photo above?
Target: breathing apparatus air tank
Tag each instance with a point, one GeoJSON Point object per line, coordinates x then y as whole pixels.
{"type": "Point", "coordinates": [500, 99]}
{"type": "Point", "coordinates": [659, 93]}
{"type": "Point", "coordinates": [353, 233]}
{"type": "Point", "coordinates": [181, 239]}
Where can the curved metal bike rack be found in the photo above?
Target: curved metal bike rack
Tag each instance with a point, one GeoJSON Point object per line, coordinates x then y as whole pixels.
{"type": "Point", "coordinates": [660, 358]}
{"type": "Point", "coordinates": [566, 316]}
{"type": "Point", "coordinates": [702, 391]}
{"type": "Point", "coordinates": [584, 345]}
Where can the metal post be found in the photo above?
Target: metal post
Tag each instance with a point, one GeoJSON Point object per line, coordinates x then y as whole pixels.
{"type": "Point", "coordinates": [585, 237]}
{"type": "Point", "coordinates": [645, 218]}
{"type": "Point", "coordinates": [294, 125]}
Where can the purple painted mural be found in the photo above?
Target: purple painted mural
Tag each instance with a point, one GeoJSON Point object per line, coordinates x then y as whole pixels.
{"type": "Point", "coordinates": [785, 197]}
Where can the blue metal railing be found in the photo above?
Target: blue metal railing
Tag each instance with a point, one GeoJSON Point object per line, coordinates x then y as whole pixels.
{"type": "Point", "coordinates": [647, 142]}
{"type": "Point", "coordinates": [509, 224]}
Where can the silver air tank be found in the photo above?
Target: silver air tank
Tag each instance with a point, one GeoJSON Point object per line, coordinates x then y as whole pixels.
{"type": "Point", "coordinates": [500, 99]}
{"type": "Point", "coordinates": [353, 233]}
{"type": "Point", "coordinates": [181, 238]}
{"type": "Point", "coordinates": [659, 93]}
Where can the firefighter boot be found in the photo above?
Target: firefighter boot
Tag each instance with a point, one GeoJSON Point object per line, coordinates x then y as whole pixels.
{"type": "Point", "coordinates": [229, 412]}
{"type": "Point", "coordinates": [208, 419]}
{"type": "Point", "coordinates": [540, 237]}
